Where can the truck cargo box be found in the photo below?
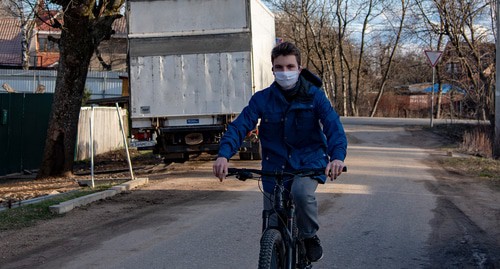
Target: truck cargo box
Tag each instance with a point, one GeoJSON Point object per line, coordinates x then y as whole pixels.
{"type": "Point", "coordinates": [194, 65]}
{"type": "Point", "coordinates": [191, 60]}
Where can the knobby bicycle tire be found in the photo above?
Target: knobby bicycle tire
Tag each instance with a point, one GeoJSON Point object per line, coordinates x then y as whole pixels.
{"type": "Point", "coordinates": [272, 250]}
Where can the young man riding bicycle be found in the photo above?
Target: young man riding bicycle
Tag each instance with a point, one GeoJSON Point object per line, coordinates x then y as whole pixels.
{"type": "Point", "coordinates": [298, 130]}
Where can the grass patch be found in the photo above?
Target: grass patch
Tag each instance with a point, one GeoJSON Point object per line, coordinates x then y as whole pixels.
{"type": "Point", "coordinates": [474, 140]}
{"type": "Point", "coordinates": [474, 167]}
{"type": "Point", "coordinates": [453, 132]}
{"type": "Point", "coordinates": [28, 215]}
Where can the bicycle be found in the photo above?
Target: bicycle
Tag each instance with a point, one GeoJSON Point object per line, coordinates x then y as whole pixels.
{"type": "Point", "coordinates": [280, 246]}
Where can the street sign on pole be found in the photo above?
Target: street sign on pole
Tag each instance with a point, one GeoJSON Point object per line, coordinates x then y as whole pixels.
{"type": "Point", "coordinates": [433, 56]}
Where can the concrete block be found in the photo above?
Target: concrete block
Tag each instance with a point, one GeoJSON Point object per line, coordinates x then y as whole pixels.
{"type": "Point", "coordinates": [135, 183]}
{"type": "Point", "coordinates": [67, 206]}
{"type": "Point", "coordinates": [119, 188]}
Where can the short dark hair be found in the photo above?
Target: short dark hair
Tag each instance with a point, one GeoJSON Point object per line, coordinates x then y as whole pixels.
{"type": "Point", "coordinates": [285, 49]}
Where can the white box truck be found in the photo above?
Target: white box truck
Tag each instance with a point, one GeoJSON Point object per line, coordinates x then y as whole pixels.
{"type": "Point", "coordinates": [194, 64]}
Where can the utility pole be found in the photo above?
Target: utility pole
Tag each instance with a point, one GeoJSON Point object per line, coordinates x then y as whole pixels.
{"type": "Point", "coordinates": [496, 138]}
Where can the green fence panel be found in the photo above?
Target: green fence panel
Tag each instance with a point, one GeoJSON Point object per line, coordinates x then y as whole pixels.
{"type": "Point", "coordinates": [37, 108]}
{"type": "Point", "coordinates": [4, 132]}
{"type": "Point", "coordinates": [23, 134]}
{"type": "Point", "coordinates": [11, 129]}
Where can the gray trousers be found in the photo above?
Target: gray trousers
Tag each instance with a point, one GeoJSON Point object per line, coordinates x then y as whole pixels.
{"type": "Point", "coordinates": [306, 207]}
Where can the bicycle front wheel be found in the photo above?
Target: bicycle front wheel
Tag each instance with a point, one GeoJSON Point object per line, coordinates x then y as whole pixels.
{"type": "Point", "coordinates": [272, 250]}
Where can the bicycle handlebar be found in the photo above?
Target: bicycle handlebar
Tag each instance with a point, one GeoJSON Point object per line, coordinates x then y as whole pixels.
{"type": "Point", "coordinates": [245, 173]}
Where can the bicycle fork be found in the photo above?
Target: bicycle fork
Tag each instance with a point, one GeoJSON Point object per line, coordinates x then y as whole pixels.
{"type": "Point", "coordinates": [286, 230]}
{"type": "Point", "coordinates": [292, 237]}
{"type": "Point", "coordinates": [296, 248]}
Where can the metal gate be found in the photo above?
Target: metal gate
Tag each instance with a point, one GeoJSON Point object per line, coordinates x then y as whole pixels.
{"type": "Point", "coordinates": [24, 119]}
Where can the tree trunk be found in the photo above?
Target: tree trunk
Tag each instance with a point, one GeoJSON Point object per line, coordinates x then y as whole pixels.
{"type": "Point", "coordinates": [354, 105]}
{"type": "Point", "coordinates": [377, 99]}
{"type": "Point", "coordinates": [391, 57]}
{"type": "Point", "coordinates": [25, 47]}
{"type": "Point", "coordinates": [76, 48]}
{"type": "Point", "coordinates": [24, 37]}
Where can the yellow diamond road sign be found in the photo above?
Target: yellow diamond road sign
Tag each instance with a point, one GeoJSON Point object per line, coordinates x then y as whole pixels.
{"type": "Point", "coordinates": [433, 56]}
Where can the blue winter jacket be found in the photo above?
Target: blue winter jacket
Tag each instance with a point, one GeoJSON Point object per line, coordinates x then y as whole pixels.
{"type": "Point", "coordinates": [303, 133]}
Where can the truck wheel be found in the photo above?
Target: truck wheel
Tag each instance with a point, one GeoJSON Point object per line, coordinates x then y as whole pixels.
{"type": "Point", "coordinates": [245, 155]}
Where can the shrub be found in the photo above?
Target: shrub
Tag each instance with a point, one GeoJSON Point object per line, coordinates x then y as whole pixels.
{"type": "Point", "coordinates": [478, 141]}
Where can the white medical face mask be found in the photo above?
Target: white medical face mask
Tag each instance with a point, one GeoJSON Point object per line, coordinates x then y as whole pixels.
{"type": "Point", "coordinates": [287, 79]}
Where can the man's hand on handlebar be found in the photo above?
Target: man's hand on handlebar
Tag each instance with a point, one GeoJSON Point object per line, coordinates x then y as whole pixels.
{"type": "Point", "coordinates": [334, 169]}
{"type": "Point", "coordinates": [220, 168]}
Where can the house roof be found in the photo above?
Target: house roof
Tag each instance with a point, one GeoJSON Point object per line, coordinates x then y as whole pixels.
{"type": "Point", "coordinates": [10, 42]}
{"type": "Point", "coordinates": [445, 88]}
{"type": "Point", "coordinates": [10, 39]}
{"type": "Point", "coordinates": [119, 25]}
{"type": "Point", "coordinates": [426, 87]}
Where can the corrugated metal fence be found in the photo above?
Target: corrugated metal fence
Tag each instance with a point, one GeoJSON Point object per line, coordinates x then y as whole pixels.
{"type": "Point", "coordinates": [107, 134]}
{"type": "Point", "coordinates": [100, 84]}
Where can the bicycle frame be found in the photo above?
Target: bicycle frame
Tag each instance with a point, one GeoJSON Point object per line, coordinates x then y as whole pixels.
{"type": "Point", "coordinates": [284, 209]}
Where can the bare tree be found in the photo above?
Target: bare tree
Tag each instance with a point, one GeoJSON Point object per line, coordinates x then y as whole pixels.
{"type": "Point", "coordinates": [366, 20]}
{"type": "Point", "coordinates": [470, 48]}
{"type": "Point", "coordinates": [343, 19]}
{"type": "Point", "coordinates": [85, 25]}
{"type": "Point", "coordinates": [430, 31]}
{"type": "Point", "coordinates": [26, 11]}
{"type": "Point", "coordinates": [308, 24]}
{"type": "Point", "coordinates": [391, 48]}
{"type": "Point", "coordinates": [352, 60]}
{"type": "Point", "coordinates": [351, 50]}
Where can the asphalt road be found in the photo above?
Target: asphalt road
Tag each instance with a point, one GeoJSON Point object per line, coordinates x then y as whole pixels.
{"type": "Point", "coordinates": [383, 213]}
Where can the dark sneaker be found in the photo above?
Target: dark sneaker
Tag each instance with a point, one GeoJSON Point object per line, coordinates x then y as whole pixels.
{"type": "Point", "coordinates": [314, 251]}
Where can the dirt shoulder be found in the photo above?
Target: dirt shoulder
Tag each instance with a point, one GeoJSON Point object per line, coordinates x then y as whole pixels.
{"type": "Point", "coordinates": [168, 186]}
{"type": "Point", "coordinates": [108, 167]}
{"type": "Point", "coordinates": [467, 214]}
